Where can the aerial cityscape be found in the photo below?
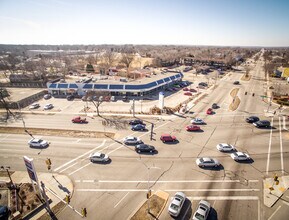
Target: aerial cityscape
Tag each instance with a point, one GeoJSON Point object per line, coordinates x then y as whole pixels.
{"type": "Point", "coordinates": [144, 110]}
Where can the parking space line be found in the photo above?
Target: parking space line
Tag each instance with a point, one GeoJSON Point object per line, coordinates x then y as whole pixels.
{"type": "Point", "coordinates": [121, 200]}
{"type": "Point", "coordinates": [281, 146]}
{"type": "Point", "coordinates": [269, 149]}
{"type": "Point", "coordinates": [274, 213]}
{"type": "Point", "coordinates": [223, 197]}
{"type": "Point", "coordinates": [172, 190]}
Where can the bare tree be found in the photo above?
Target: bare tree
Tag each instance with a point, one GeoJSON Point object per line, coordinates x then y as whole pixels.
{"type": "Point", "coordinates": [127, 59]}
{"type": "Point", "coordinates": [247, 71]}
{"type": "Point", "coordinates": [107, 59]}
{"type": "Point", "coordinates": [4, 103]}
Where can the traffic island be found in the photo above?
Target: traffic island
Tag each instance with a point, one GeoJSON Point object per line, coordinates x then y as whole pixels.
{"type": "Point", "coordinates": [246, 77]}
{"type": "Point", "coordinates": [236, 101]}
{"type": "Point", "coordinates": [152, 207]}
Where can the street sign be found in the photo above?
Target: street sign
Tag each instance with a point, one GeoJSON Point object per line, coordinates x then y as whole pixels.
{"type": "Point", "coordinates": [30, 168]}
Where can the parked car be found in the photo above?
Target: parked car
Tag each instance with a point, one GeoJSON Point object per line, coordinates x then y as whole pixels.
{"type": "Point", "coordinates": [197, 121]}
{"type": "Point", "coordinates": [125, 99]}
{"type": "Point", "coordinates": [207, 162]}
{"type": "Point", "coordinates": [70, 97]}
{"type": "Point", "coordinates": [169, 89]}
{"type": "Point", "coordinates": [107, 98]}
{"type": "Point", "coordinates": [112, 99]}
{"type": "Point", "coordinates": [252, 119]}
{"type": "Point", "coordinates": [188, 93]}
{"type": "Point", "coordinates": [138, 127]}
{"type": "Point", "coordinates": [100, 98]}
{"type": "Point", "coordinates": [262, 124]}
{"type": "Point", "coordinates": [48, 106]}
{"type": "Point", "coordinates": [83, 98]}
{"type": "Point", "coordinates": [98, 157]}
{"type": "Point", "coordinates": [4, 212]}
{"type": "Point", "coordinates": [38, 143]}
{"type": "Point", "coordinates": [167, 138]}
{"type": "Point", "coordinates": [225, 147]}
{"type": "Point", "coordinates": [136, 122]}
{"type": "Point", "coordinates": [209, 111]}
{"type": "Point", "coordinates": [177, 204]}
{"type": "Point", "coordinates": [214, 106]}
{"type": "Point", "coordinates": [34, 106]}
{"type": "Point", "coordinates": [236, 82]}
{"type": "Point", "coordinates": [79, 119]}
{"type": "Point", "coordinates": [144, 148]}
{"type": "Point", "coordinates": [203, 84]}
{"type": "Point", "coordinates": [193, 90]}
{"type": "Point", "coordinates": [186, 89]}
{"type": "Point", "coordinates": [132, 140]}
{"type": "Point", "coordinates": [202, 211]}
{"type": "Point", "coordinates": [240, 156]}
{"type": "Point", "coordinates": [193, 128]}
{"type": "Point", "coordinates": [47, 96]}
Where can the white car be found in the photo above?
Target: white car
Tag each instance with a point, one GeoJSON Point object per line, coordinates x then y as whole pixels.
{"type": "Point", "coordinates": [177, 204]}
{"type": "Point", "coordinates": [48, 106]}
{"type": "Point", "coordinates": [98, 157]}
{"type": "Point", "coordinates": [34, 106]}
{"type": "Point", "coordinates": [240, 156]}
{"type": "Point", "coordinates": [197, 121]}
{"type": "Point", "coordinates": [225, 147]}
{"type": "Point", "coordinates": [37, 143]}
{"type": "Point", "coordinates": [203, 211]}
{"type": "Point", "coordinates": [132, 140]}
{"type": "Point", "coordinates": [207, 162]}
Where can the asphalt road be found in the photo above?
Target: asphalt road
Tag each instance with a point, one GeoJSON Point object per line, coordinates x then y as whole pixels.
{"type": "Point", "coordinates": [115, 190]}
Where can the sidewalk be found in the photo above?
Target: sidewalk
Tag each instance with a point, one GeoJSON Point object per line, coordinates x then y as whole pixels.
{"type": "Point", "coordinates": [273, 192]}
{"type": "Point", "coordinates": [61, 185]}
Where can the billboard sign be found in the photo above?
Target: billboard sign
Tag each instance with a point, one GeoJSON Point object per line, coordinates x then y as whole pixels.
{"type": "Point", "coordinates": [30, 168]}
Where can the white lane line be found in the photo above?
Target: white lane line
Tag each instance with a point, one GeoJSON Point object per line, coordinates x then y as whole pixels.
{"type": "Point", "coordinates": [68, 167]}
{"type": "Point", "coordinates": [274, 213]}
{"type": "Point", "coordinates": [80, 168]}
{"type": "Point", "coordinates": [121, 200]}
{"type": "Point", "coordinates": [281, 146]}
{"type": "Point", "coordinates": [6, 136]}
{"type": "Point", "coordinates": [169, 190]}
{"type": "Point", "coordinates": [167, 181]}
{"type": "Point", "coordinates": [224, 197]}
{"type": "Point", "coordinates": [284, 123]}
{"type": "Point", "coordinates": [286, 203]}
{"type": "Point", "coordinates": [71, 161]}
{"type": "Point", "coordinates": [78, 140]}
{"type": "Point", "coordinates": [269, 149]}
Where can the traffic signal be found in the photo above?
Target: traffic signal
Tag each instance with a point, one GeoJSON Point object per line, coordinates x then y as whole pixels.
{"type": "Point", "coordinates": [83, 212]}
{"type": "Point", "coordinates": [67, 199]}
{"type": "Point", "coordinates": [48, 167]}
{"type": "Point", "coordinates": [48, 161]}
{"type": "Point", "coordinates": [275, 178]}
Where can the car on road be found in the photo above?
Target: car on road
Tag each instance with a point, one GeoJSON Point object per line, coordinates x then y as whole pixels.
{"type": "Point", "coordinates": [252, 119]}
{"type": "Point", "coordinates": [48, 106]}
{"type": "Point", "coordinates": [132, 140]}
{"type": "Point", "coordinates": [38, 143]}
{"type": "Point", "coordinates": [167, 138]}
{"type": "Point", "coordinates": [207, 162]}
{"type": "Point", "coordinates": [262, 124]}
{"type": "Point", "coordinates": [193, 128]}
{"type": "Point", "coordinates": [215, 106]}
{"type": "Point", "coordinates": [136, 122]}
{"type": "Point", "coordinates": [79, 120]}
{"type": "Point", "coordinates": [197, 121]}
{"type": "Point", "coordinates": [144, 148]}
{"type": "Point", "coordinates": [138, 127]}
{"type": "Point", "coordinates": [240, 156]}
{"type": "Point", "coordinates": [203, 210]}
{"type": "Point", "coordinates": [34, 106]}
{"type": "Point", "coordinates": [99, 157]}
{"type": "Point", "coordinates": [47, 96]}
{"type": "Point", "coordinates": [177, 204]}
{"type": "Point", "coordinates": [188, 93]}
{"type": "Point", "coordinates": [236, 83]}
{"type": "Point", "coordinates": [209, 111]}
{"type": "Point", "coordinates": [225, 147]}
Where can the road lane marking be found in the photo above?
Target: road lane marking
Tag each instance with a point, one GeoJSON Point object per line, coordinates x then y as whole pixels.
{"type": "Point", "coordinates": [167, 181]}
{"type": "Point", "coordinates": [6, 136]}
{"type": "Point", "coordinates": [169, 190]}
{"type": "Point", "coordinates": [269, 149]}
{"type": "Point", "coordinates": [281, 146]}
{"type": "Point", "coordinates": [223, 197]}
{"type": "Point", "coordinates": [284, 123]}
{"type": "Point", "coordinates": [68, 167]}
{"type": "Point", "coordinates": [71, 161]}
{"type": "Point", "coordinates": [80, 168]}
{"type": "Point", "coordinates": [274, 213]}
{"type": "Point", "coordinates": [286, 203]}
{"type": "Point", "coordinates": [121, 200]}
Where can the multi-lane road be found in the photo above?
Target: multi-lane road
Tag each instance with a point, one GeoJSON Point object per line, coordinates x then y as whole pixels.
{"type": "Point", "coordinates": [116, 190]}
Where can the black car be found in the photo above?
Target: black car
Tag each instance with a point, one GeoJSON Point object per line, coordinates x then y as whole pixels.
{"type": "Point", "coordinates": [70, 97]}
{"type": "Point", "coordinates": [236, 83]}
{"type": "Point", "coordinates": [203, 84]}
{"type": "Point", "coordinates": [252, 119]}
{"type": "Point", "coordinates": [138, 127]}
{"type": "Point", "coordinates": [215, 106]}
{"type": "Point", "coordinates": [144, 148]}
{"type": "Point", "coordinates": [136, 122]}
{"type": "Point", "coordinates": [4, 212]}
{"type": "Point", "coordinates": [262, 124]}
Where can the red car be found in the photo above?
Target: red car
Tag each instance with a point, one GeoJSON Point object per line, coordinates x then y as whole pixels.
{"type": "Point", "coordinates": [78, 119]}
{"type": "Point", "coordinates": [185, 89]}
{"type": "Point", "coordinates": [209, 111]}
{"type": "Point", "coordinates": [168, 138]}
{"type": "Point", "coordinates": [193, 90]}
{"type": "Point", "coordinates": [188, 93]}
{"type": "Point", "coordinates": [193, 128]}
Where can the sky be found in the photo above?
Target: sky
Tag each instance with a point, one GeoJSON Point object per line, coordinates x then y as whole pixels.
{"type": "Point", "coordinates": [174, 22]}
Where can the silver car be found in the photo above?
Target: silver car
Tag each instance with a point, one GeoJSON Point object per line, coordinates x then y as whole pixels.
{"type": "Point", "coordinates": [34, 106]}
{"type": "Point", "coordinates": [207, 162]}
{"type": "Point", "coordinates": [240, 156]}
{"type": "Point", "coordinates": [34, 142]}
{"type": "Point", "coordinates": [197, 121]}
{"type": "Point", "coordinates": [203, 211]}
{"type": "Point", "coordinates": [48, 106]}
{"type": "Point", "coordinates": [98, 157]}
{"type": "Point", "coordinates": [177, 204]}
{"type": "Point", "coordinates": [225, 147]}
{"type": "Point", "coordinates": [132, 140]}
